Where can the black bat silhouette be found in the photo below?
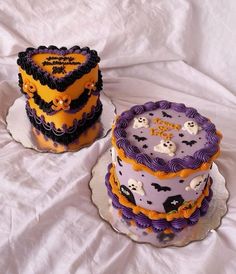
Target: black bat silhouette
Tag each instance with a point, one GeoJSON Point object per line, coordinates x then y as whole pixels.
{"type": "Point", "coordinates": [161, 188]}
{"type": "Point", "coordinates": [166, 114]}
{"type": "Point", "coordinates": [136, 137]}
{"type": "Point", "coordinates": [119, 161]}
{"type": "Point", "coordinates": [189, 143]}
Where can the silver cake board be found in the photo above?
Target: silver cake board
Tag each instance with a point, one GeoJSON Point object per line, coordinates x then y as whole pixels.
{"type": "Point", "coordinates": [20, 128]}
{"type": "Point", "coordinates": [211, 221]}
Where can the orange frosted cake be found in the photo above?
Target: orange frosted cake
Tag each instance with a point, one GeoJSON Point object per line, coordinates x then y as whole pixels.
{"type": "Point", "coordinates": [62, 87]}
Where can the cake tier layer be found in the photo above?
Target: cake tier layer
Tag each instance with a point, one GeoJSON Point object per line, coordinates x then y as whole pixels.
{"type": "Point", "coordinates": [150, 192]}
{"type": "Point", "coordinates": [187, 214]}
{"type": "Point", "coordinates": [65, 117]}
{"type": "Point", "coordinates": [65, 134]}
{"type": "Point", "coordinates": [86, 138]}
{"type": "Point", "coordinates": [165, 139]}
{"type": "Point", "coordinates": [51, 107]}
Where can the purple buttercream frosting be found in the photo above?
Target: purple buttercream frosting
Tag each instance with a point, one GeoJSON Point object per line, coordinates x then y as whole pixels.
{"type": "Point", "coordinates": [195, 216]}
{"type": "Point", "coordinates": [150, 106]}
{"type": "Point", "coordinates": [192, 161]}
{"type": "Point", "coordinates": [179, 223]}
{"type": "Point", "coordinates": [164, 104]}
{"type": "Point", "coordinates": [138, 109]}
{"type": "Point", "coordinates": [204, 206]}
{"type": "Point", "coordinates": [143, 221]}
{"type": "Point", "coordinates": [127, 115]}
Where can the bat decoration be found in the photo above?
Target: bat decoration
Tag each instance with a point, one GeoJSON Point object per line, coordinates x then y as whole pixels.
{"type": "Point", "coordinates": [189, 143]}
{"type": "Point", "coordinates": [145, 146]}
{"type": "Point", "coordinates": [161, 188]}
{"type": "Point", "coordinates": [119, 161]}
{"type": "Point", "coordinates": [136, 137]}
{"type": "Point", "coordinates": [166, 114]}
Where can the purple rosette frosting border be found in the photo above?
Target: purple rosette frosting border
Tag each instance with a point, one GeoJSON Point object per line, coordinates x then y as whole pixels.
{"type": "Point", "coordinates": [142, 221]}
{"type": "Point", "coordinates": [158, 164]}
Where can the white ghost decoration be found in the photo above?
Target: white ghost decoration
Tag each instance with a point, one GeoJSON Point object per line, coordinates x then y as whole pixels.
{"type": "Point", "coordinates": [196, 183]}
{"type": "Point", "coordinates": [136, 186]}
{"type": "Point", "coordinates": [191, 127]}
{"type": "Point", "coordinates": [167, 147]}
{"type": "Point", "coordinates": [140, 122]}
{"type": "Point", "coordinates": [113, 155]}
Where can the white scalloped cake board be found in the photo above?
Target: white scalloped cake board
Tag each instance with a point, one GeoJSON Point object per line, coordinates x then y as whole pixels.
{"type": "Point", "coordinates": [212, 220]}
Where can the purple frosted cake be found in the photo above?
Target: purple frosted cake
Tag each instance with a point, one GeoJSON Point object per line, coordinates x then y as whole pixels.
{"type": "Point", "coordinates": [162, 153]}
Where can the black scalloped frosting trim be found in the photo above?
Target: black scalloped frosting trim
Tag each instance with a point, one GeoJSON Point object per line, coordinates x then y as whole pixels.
{"type": "Point", "coordinates": [75, 104]}
{"type": "Point", "coordinates": [25, 62]}
{"type": "Point", "coordinates": [65, 135]}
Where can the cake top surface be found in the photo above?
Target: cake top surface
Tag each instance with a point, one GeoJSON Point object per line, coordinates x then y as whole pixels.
{"type": "Point", "coordinates": [166, 136]}
{"type": "Point", "coordinates": [57, 67]}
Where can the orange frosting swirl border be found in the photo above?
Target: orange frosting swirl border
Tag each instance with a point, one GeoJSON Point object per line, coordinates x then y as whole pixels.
{"type": "Point", "coordinates": [184, 211]}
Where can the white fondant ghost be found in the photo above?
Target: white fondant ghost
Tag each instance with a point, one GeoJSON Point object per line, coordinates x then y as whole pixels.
{"type": "Point", "coordinates": [191, 127]}
{"type": "Point", "coordinates": [140, 122]}
{"type": "Point", "coordinates": [136, 186]}
{"type": "Point", "coordinates": [196, 183]}
{"type": "Point", "coordinates": [113, 155]}
{"type": "Point", "coordinates": [167, 147]}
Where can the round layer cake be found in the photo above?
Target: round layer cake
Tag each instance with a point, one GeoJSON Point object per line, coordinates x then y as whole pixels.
{"type": "Point", "coordinates": [62, 87]}
{"type": "Point", "coordinates": [162, 153]}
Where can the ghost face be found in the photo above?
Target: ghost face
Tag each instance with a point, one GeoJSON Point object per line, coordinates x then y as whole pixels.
{"type": "Point", "coordinates": [167, 147]}
{"type": "Point", "coordinates": [140, 122]}
{"type": "Point", "coordinates": [196, 183]}
{"type": "Point", "coordinates": [191, 127]}
{"type": "Point", "coordinates": [136, 186]}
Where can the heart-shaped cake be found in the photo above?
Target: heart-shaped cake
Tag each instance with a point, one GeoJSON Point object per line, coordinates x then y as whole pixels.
{"type": "Point", "coordinates": [62, 87]}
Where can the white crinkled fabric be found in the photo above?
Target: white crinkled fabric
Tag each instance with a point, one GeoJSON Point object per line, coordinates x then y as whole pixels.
{"type": "Point", "coordinates": [182, 51]}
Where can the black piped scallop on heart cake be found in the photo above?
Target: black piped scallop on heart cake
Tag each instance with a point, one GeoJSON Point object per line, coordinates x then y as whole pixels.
{"type": "Point", "coordinates": [62, 87]}
{"type": "Point", "coordinates": [162, 153]}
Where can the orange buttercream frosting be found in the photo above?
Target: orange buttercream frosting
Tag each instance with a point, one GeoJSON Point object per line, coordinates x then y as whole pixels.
{"type": "Point", "coordinates": [184, 211]}
{"type": "Point", "coordinates": [62, 86]}
{"type": "Point", "coordinates": [70, 62]}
